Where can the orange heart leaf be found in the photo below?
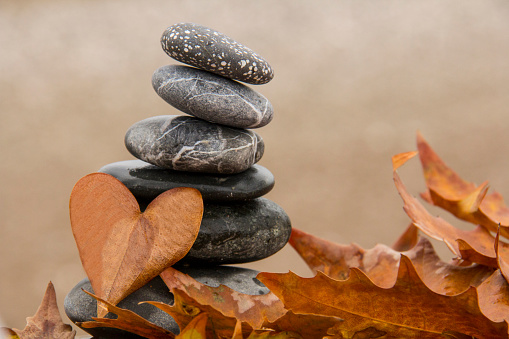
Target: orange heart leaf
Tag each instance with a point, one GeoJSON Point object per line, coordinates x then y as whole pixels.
{"type": "Point", "coordinates": [121, 248]}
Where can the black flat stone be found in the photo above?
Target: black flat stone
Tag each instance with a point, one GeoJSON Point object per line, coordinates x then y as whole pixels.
{"type": "Point", "coordinates": [215, 52]}
{"type": "Point", "coordinates": [80, 307]}
{"type": "Point", "coordinates": [185, 143]}
{"type": "Point", "coordinates": [239, 233]}
{"type": "Point", "coordinates": [147, 181]}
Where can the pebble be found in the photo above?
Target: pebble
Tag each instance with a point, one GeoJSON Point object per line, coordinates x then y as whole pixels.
{"type": "Point", "coordinates": [146, 181]}
{"type": "Point", "coordinates": [80, 307]}
{"type": "Point", "coordinates": [215, 52]}
{"type": "Point", "coordinates": [184, 143]}
{"type": "Point", "coordinates": [239, 233]}
{"type": "Point", "coordinates": [211, 97]}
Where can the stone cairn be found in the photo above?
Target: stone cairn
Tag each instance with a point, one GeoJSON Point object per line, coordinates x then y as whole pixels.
{"type": "Point", "coordinates": [215, 151]}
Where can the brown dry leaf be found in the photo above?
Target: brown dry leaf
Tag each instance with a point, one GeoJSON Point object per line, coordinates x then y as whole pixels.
{"type": "Point", "coordinates": [407, 240]}
{"type": "Point", "coordinates": [503, 265]}
{"type": "Point", "coordinates": [475, 246]}
{"type": "Point", "coordinates": [309, 326]}
{"type": "Point", "coordinates": [400, 159]}
{"type": "Point", "coordinates": [494, 297]}
{"type": "Point", "coordinates": [121, 248]}
{"type": "Point", "coordinates": [252, 309]}
{"type": "Point", "coordinates": [196, 328]}
{"type": "Point", "coordinates": [46, 323]}
{"type": "Point", "coordinates": [381, 263]}
{"type": "Point", "coordinates": [448, 190]}
{"type": "Point", "coordinates": [326, 256]}
{"type": "Point", "coordinates": [260, 334]}
{"type": "Point", "coordinates": [185, 308]}
{"type": "Point", "coordinates": [127, 321]}
{"type": "Point", "coordinates": [409, 309]}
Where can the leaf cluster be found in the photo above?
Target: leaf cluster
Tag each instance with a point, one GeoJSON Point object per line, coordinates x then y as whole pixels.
{"type": "Point", "coordinates": [399, 291]}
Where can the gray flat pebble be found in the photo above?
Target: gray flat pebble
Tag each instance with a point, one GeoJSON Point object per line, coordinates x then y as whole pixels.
{"type": "Point", "coordinates": [212, 97]}
{"type": "Point", "coordinates": [215, 52]}
{"type": "Point", "coordinates": [190, 144]}
{"type": "Point", "coordinates": [147, 181]}
{"type": "Point", "coordinates": [80, 307]}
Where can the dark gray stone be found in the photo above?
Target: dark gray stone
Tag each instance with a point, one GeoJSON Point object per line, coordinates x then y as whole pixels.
{"type": "Point", "coordinates": [147, 181]}
{"type": "Point", "coordinates": [190, 144]}
{"type": "Point", "coordinates": [215, 52]}
{"type": "Point", "coordinates": [212, 97]}
{"type": "Point", "coordinates": [80, 307]}
{"type": "Point", "coordinates": [239, 233]}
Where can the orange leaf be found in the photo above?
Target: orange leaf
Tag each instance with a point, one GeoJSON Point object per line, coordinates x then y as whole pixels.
{"type": "Point", "coordinates": [196, 328]}
{"type": "Point", "coordinates": [400, 159]}
{"type": "Point", "coordinates": [127, 321]}
{"type": "Point", "coordinates": [121, 248]}
{"type": "Point", "coordinates": [448, 190]}
{"type": "Point", "coordinates": [309, 326]}
{"type": "Point", "coordinates": [381, 264]}
{"type": "Point", "coordinates": [46, 323]}
{"type": "Point", "coordinates": [409, 309]}
{"type": "Point", "coordinates": [502, 262]}
{"type": "Point", "coordinates": [475, 245]}
{"type": "Point", "coordinates": [185, 308]}
{"type": "Point", "coordinates": [407, 240]}
{"type": "Point", "coordinates": [494, 297]}
{"type": "Point", "coordinates": [326, 256]}
{"type": "Point", "coordinates": [253, 309]}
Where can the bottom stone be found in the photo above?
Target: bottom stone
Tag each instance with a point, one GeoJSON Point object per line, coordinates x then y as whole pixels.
{"type": "Point", "coordinates": [80, 307]}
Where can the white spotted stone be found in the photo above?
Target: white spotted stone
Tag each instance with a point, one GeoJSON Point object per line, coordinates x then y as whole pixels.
{"type": "Point", "coordinates": [207, 48]}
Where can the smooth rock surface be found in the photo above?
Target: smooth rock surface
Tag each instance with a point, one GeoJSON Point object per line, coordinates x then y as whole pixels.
{"type": "Point", "coordinates": [215, 52]}
{"type": "Point", "coordinates": [184, 143]}
{"type": "Point", "coordinates": [239, 233]}
{"type": "Point", "coordinates": [212, 97]}
{"type": "Point", "coordinates": [147, 181]}
{"type": "Point", "coordinates": [80, 307]}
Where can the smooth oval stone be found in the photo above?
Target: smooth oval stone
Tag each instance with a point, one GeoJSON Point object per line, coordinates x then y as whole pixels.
{"type": "Point", "coordinates": [212, 97]}
{"type": "Point", "coordinates": [184, 143]}
{"type": "Point", "coordinates": [239, 233]}
{"type": "Point", "coordinates": [215, 52]}
{"type": "Point", "coordinates": [81, 307]}
{"type": "Point", "coordinates": [147, 181]}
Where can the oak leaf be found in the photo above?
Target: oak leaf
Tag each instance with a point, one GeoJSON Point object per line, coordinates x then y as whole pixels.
{"type": "Point", "coordinates": [448, 190]}
{"type": "Point", "coordinates": [494, 297]}
{"type": "Point", "coordinates": [126, 320]}
{"type": "Point", "coordinates": [407, 240]}
{"type": "Point", "coordinates": [408, 309]}
{"type": "Point", "coordinates": [196, 328]}
{"type": "Point", "coordinates": [46, 323]}
{"type": "Point", "coordinates": [122, 248]}
{"type": "Point", "coordinates": [381, 263]}
{"type": "Point", "coordinates": [252, 309]}
{"type": "Point", "coordinates": [476, 245]}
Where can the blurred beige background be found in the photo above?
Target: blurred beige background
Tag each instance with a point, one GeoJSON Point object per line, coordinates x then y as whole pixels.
{"type": "Point", "coordinates": [354, 81]}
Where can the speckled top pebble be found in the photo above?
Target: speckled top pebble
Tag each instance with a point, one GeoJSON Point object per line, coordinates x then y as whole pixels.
{"type": "Point", "coordinates": [215, 52]}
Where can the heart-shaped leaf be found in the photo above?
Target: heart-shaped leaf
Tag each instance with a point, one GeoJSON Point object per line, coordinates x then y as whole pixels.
{"type": "Point", "coordinates": [122, 248]}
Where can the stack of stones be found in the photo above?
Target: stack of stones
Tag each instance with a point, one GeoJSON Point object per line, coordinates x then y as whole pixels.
{"type": "Point", "coordinates": [215, 151]}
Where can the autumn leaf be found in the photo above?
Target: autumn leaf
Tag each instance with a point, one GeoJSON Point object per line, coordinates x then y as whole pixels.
{"type": "Point", "coordinates": [476, 245]}
{"type": "Point", "coordinates": [494, 297]}
{"type": "Point", "coordinates": [309, 326]}
{"type": "Point", "coordinates": [121, 248]}
{"type": "Point", "coordinates": [463, 199]}
{"type": "Point", "coordinates": [46, 323]}
{"type": "Point", "coordinates": [252, 309]}
{"type": "Point", "coordinates": [196, 328]}
{"type": "Point", "coordinates": [407, 240]}
{"type": "Point", "coordinates": [127, 321]}
{"type": "Point", "coordinates": [381, 263]}
{"type": "Point", "coordinates": [408, 309]}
